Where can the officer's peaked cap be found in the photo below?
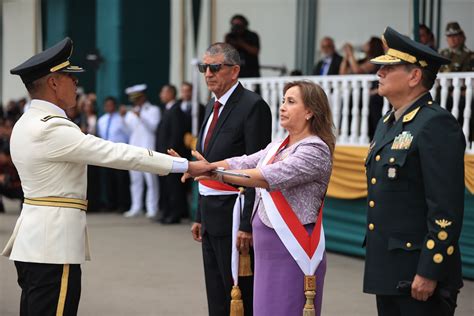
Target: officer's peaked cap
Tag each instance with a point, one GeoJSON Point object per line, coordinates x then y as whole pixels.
{"type": "Point", "coordinates": [403, 50]}
{"type": "Point", "coordinates": [53, 59]}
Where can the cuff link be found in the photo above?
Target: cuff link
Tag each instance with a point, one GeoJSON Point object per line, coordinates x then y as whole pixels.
{"type": "Point", "coordinates": [371, 226]}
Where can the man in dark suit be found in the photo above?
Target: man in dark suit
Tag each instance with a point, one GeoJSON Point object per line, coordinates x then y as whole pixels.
{"type": "Point", "coordinates": [415, 178]}
{"type": "Point", "coordinates": [330, 61]}
{"type": "Point", "coordinates": [237, 122]}
{"type": "Point", "coordinates": [170, 134]}
{"type": "Point", "coordinates": [186, 105]}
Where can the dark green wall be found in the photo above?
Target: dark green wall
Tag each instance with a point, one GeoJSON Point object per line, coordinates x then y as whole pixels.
{"type": "Point", "coordinates": [76, 19]}
{"type": "Point", "coordinates": [132, 36]}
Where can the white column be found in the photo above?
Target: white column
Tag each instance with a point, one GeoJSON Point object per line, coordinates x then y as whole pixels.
{"type": "Point", "coordinates": [21, 39]}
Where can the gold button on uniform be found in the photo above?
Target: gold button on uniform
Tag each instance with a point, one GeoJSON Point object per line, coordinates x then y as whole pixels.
{"type": "Point", "coordinates": [442, 235]}
{"type": "Point", "coordinates": [450, 250]}
{"type": "Point", "coordinates": [430, 102]}
{"type": "Point", "coordinates": [377, 158]}
{"type": "Point", "coordinates": [373, 181]}
{"type": "Point", "coordinates": [430, 244]}
{"type": "Point", "coordinates": [371, 226]}
{"type": "Point", "coordinates": [408, 244]}
{"type": "Point", "coordinates": [438, 258]}
{"type": "Point", "coordinates": [391, 160]}
{"type": "Point", "coordinates": [371, 203]}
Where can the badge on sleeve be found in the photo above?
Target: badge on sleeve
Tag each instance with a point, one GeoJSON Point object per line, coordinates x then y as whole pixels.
{"type": "Point", "coordinates": [402, 141]}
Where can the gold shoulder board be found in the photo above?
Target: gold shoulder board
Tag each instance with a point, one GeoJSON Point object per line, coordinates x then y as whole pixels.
{"type": "Point", "coordinates": [408, 117]}
{"type": "Point", "coordinates": [48, 117]}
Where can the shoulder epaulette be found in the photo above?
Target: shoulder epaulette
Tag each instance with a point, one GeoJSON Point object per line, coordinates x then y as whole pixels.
{"type": "Point", "coordinates": [47, 118]}
{"type": "Point", "coordinates": [408, 117]}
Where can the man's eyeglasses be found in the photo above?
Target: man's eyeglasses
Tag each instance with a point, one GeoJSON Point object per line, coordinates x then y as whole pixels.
{"type": "Point", "coordinates": [212, 67]}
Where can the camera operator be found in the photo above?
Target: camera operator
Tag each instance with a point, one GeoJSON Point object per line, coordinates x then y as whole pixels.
{"type": "Point", "coordinates": [247, 44]}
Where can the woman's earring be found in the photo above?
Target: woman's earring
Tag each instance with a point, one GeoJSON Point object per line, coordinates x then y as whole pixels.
{"type": "Point", "coordinates": [308, 117]}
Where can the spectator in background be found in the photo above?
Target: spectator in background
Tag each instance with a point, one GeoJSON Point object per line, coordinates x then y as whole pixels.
{"type": "Point", "coordinates": [10, 185]}
{"type": "Point", "coordinates": [247, 44]}
{"type": "Point", "coordinates": [349, 64]}
{"type": "Point", "coordinates": [90, 117]}
{"type": "Point", "coordinates": [462, 58]}
{"type": "Point", "coordinates": [141, 124]}
{"type": "Point", "coordinates": [170, 134]}
{"type": "Point", "coordinates": [426, 36]}
{"type": "Point", "coordinates": [186, 105]}
{"type": "Point", "coordinates": [110, 126]}
{"type": "Point", "coordinates": [330, 59]}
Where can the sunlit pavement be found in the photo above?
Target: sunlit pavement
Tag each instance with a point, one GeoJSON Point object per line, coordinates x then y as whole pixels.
{"type": "Point", "coordinates": [142, 268]}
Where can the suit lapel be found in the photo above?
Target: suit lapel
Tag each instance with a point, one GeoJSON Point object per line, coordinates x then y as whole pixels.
{"type": "Point", "coordinates": [229, 106]}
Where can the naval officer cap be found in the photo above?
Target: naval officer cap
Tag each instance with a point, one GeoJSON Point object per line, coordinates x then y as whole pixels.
{"type": "Point", "coordinates": [53, 59]}
{"type": "Point", "coordinates": [136, 91]}
{"type": "Point", "coordinates": [403, 50]}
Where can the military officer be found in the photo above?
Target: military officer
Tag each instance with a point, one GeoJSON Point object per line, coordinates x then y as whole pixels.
{"type": "Point", "coordinates": [141, 124]}
{"type": "Point", "coordinates": [51, 154]}
{"type": "Point", "coordinates": [415, 178]}
{"type": "Point", "coordinates": [462, 58]}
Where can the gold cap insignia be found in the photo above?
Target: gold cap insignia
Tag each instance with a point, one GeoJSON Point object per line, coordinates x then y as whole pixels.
{"type": "Point", "coordinates": [443, 223]}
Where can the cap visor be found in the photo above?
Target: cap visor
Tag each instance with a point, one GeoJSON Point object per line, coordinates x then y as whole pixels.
{"type": "Point", "coordinates": [387, 60]}
{"type": "Point", "coordinates": [72, 68]}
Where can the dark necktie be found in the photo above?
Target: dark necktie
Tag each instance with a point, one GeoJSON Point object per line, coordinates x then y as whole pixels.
{"type": "Point", "coordinates": [107, 129]}
{"type": "Point", "coordinates": [215, 117]}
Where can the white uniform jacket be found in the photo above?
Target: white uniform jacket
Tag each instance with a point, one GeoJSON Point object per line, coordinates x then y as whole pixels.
{"type": "Point", "coordinates": [51, 155]}
{"type": "Point", "coordinates": [142, 128]}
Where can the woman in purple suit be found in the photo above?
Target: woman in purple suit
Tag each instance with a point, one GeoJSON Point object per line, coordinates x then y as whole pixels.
{"type": "Point", "coordinates": [292, 177]}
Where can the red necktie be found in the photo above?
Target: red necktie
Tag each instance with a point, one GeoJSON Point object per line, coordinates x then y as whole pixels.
{"type": "Point", "coordinates": [215, 117]}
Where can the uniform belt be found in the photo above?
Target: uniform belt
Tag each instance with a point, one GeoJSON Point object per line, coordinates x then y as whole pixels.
{"type": "Point", "coordinates": [57, 202]}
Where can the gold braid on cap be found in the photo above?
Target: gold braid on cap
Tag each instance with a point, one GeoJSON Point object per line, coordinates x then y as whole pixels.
{"type": "Point", "coordinates": [406, 57]}
{"type": "Point", "coordinates": [60, 66]}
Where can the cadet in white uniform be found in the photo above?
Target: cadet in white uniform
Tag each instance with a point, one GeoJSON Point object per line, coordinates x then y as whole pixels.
{"type": "Point", "coordinates": [51, 154]}
{"type": "Point", "coordinates": [141, 124]}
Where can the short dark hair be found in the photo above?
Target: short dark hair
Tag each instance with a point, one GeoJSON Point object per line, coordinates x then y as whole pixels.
{"type": "Point", "coordinates": [428, 76]}
{"type": "Point", "coordinates": [241, 18]}
{"type": "Point", "coordinates": [111, 98]}
{"type": "Point", "coordinates": [172, 88]}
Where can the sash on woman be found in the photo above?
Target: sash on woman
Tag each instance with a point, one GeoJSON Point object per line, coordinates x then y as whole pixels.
{"type": "Point", "coordinates": [307, 250]}
{"type": "Point", "coordinates": [209, 188]}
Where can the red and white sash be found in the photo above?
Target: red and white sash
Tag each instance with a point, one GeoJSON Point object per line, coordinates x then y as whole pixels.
{"type": "Point", "coordinates": [307, 250]}
{"type": "Point", "coordinates": [210, 187]}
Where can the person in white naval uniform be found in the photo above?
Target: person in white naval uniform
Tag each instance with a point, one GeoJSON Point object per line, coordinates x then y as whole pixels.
{"type": "Point", "coordinates": [51, 154]}
{"type": "Point", "coordinates": [141, 124]}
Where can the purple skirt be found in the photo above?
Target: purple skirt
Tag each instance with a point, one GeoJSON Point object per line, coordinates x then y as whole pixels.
{"type": "Point", "coordinates": [278, 280]}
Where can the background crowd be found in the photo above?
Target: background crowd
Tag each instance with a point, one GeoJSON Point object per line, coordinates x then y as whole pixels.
{"type": "Point", "coordinates": [113, 191]}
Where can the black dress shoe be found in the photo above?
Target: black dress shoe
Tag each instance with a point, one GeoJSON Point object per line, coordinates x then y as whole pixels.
{"type": "Point", "coordinates": [170, 220]}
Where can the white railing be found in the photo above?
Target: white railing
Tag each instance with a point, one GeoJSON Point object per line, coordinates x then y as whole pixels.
{"type": "Point", "coordinates": [344, 90]}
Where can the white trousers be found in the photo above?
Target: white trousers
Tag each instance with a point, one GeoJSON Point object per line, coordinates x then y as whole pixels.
{"type": "Point", "coordinates": [137, 180]}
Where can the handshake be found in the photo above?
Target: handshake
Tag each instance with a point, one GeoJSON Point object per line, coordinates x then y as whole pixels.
{"type": "Point", "coordinates": [199, 168]}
